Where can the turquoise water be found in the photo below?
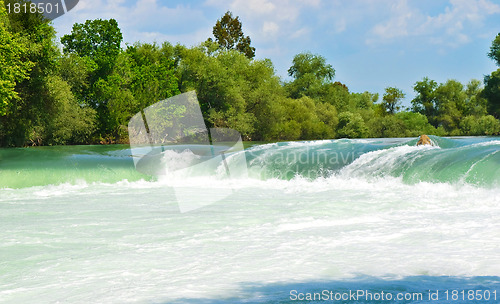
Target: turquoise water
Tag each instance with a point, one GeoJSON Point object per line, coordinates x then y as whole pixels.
{"type": "Point", "coordinates": [81, 225]}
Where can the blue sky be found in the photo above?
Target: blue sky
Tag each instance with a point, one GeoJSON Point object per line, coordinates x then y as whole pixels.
{"type": "Point", "coordinates": [371, 44]}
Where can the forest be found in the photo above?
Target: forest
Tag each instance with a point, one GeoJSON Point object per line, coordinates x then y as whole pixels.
{"type": "Point", "coordinates": [84, 89]}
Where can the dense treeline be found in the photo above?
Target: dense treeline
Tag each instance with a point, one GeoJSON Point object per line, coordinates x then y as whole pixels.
{"type": "Point", "coordinates": [87, 92]}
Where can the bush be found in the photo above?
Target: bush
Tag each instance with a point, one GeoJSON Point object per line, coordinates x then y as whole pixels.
{"type": "Point", "coordinates": [484, 125]}
{"type": "Point", "coordinates": [351, 125]}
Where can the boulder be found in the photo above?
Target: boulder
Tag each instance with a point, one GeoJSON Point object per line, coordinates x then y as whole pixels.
{"type": "Point", "coordinates": [424, 140]}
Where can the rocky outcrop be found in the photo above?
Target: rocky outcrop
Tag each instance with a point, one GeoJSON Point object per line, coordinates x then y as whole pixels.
{"type": "Point", "coordinates": [424, 140]}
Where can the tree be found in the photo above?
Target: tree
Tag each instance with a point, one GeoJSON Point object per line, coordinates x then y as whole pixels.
{"type": "Point", "coordinates": [309, 64]}
{"type": "Point", "coordinates": [96, 41]}
{"type": "Point", "coordinates": [392, 99]}
{"type": "Point", "coordinates": [232, 89]}
{"type": "Point", "coordinates": [13, 69]}
{"type": "Point", "coordinates": [485, 125]}
{"type": "Point", "coordinates": [450, 105]}
{"type": "Point", "coordinates": [476, 104]}
{"type": "Point", "coordinates": [351, 125]}
{"type": "Point", "coordinates": [67, 122]}
{"type": "Point", "coordinates": [312, 76]}
{"type": "Point", "coordinates": [424, 102]}
{"type": "Point", "coordinates": [229, 35]}
{"type": "Point", "coordinates": [25, 123]}
{"type": "Point", "coordinates": [306, 119]}
{"type": "Point", "coordinates": [339, 96]}
{"type": "Point", "coordinates": [143, 75]}
{"type": "Point", "coordinates": [492, 82]}
{"type": "Point", "coordinates": [492, 92]}
{"type": "Point", "coordinates": [494, 53]}
{"type": "Point", "coordinates": [416, 124]}
{"type": "Point", "coordinates": [77, 71]}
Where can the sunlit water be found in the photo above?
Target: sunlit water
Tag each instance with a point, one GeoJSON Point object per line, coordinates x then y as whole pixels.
{"type": "Point", "coordinates": [80, 225]}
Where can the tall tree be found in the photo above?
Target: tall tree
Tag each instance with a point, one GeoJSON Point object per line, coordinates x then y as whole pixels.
{"type": "Point", "coordinates": [392, 99]}
{"type": "Point", "coordinates": [312, 76]}
{"type": "Point", "coordinates": [229, 35]}
{"type": "Point", "coordinates": [450, 102]}
{"type": "Point", "coordinates": [492, 82]}
{"type": "Point", "coordinates": [25, 124]}
{"type": "Point", "coordinates": [424, 102]}
{"type": "Point", "coordinates": [492, 92]}
{"type": "Point", "coordinates": [47, 111]}
{"type": "Point", "coordinates": [98, 41]}
{"type": "Point", "coordinates": [495, 50]}
{"type": "Point", "coordinates": [476, 104]}
{"type": "Point", "coordinates": [143, 75]}
{"type": "Point", "coordinates": [13, 68]}
{"type": "Point", "coordinates": [309, 64]}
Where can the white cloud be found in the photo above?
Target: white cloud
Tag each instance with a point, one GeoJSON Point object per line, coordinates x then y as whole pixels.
{"type": "Point", "coordinates": [398, 25]}
{"type": "Point", "coordinates": [258, 7]}
{"type": "Point", "coordinates": [451, 27]}
{"type": "Point", "coordinates": [144, 20]}
{"type": "Point", "coordinates": [302, 32]}
{"type": "Point", "coordinates": [278, 9]}
{"type": "Point", "coordinates": [270, 28]}
{"type": "Point", "coordinates": [268, 19]}
{"type": "Point", "coordinates": [340, 25]}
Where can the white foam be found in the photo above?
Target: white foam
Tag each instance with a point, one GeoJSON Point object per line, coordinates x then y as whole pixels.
{"type": "Point", "coordinates": [379, 162]}
{"type": "Point", "coordinates": [127, 241]}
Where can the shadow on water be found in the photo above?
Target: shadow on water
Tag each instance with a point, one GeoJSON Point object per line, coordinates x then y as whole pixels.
{"type": "Point", "coordinates": [417, 289]}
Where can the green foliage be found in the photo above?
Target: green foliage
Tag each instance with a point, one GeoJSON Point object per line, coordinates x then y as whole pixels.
{"type": "Point", "coordinates": [386, 126]}
{"type": "Point", "coordinates": [233, 90]}
{"type": "Point", "coordinates": [475, 103]}
{"type": "Point", "coordinates": [492, 92]}
{"type": "Point", "coordinates": [308, 64]}
{"type": "Point", "coordinates": [362, 102]}
{"type": "Point", "coordinates": [27, 115]}
{"type": "Point", "coordinates": [98, 43]}
{"type": "Point", "coordinates": [450, 104]}
{"type": "Point", "coordinates": [89, 93]}
{"type": "Point", "coordinates": [142, 76]}
{"type": "Point", "coordinates": [229, 35]}
{"type": "Point", "coordinates": [97, 39]}
{"type": "Point", "coordinates": [76, 71]}
{"type": "Point", "coordinates": [69, 123]}
{"type": "Point", "coordinates": [305, 119]}
{"type": "Point", "coordinates": [392, 99]}
{"type": "Point", "coordinates": [495, 50]}
{"type": "Point", "coordinates": [402, 124]}
{"type": "Point", "coordinates": [484, 125]}
{"type": "Point", "coordinates": [338, 95]}
{"type": "Point", "coordinates": [351, 125]}
{"type": "Point", "coordinates": [13, 69]}
{"type": "Point", "coordinates": [492, 82]}
{"type": "Point", "coordinates": [415, 124]}
{"type": "Point", "coordinates": [424, 102]}
{"type": "Point", "coordinates": [312, 76]}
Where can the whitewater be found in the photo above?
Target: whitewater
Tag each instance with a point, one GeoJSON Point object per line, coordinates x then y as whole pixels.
{"type": "Point", "coordinates": [81, 225]}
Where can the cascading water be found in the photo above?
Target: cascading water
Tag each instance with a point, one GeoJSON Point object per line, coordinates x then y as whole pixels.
{"type": "Point", "coordinates": [82, 225]}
